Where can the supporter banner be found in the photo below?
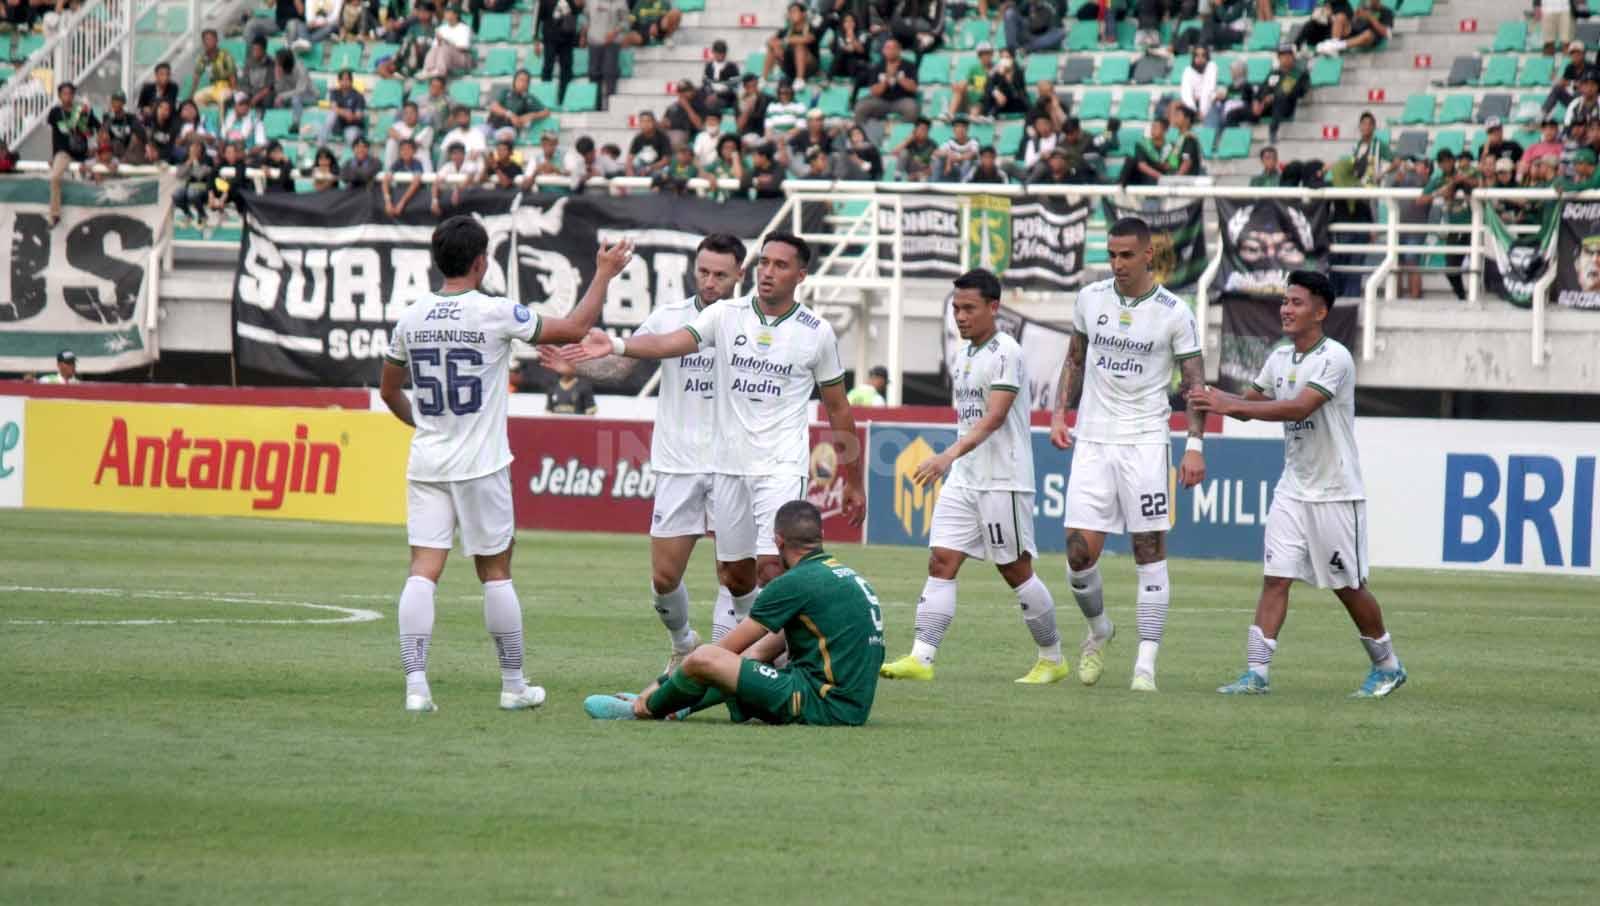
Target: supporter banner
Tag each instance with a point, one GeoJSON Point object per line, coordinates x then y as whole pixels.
{"type": "Point", "coordinates": [322, 277]}
{"type": "Point", "coordinates": [11, 450]}
{"type": "Point", "coordinates": [1251, 327]}
{"type": "Point", "coordinates": [82, 285]}
{"type": "Point", "coordinates": [1033, 243]}
{"type": "Point", "coordinates": [1044, 349]}
{"type": "Point", "coordinates": [1578, 256]}
{"type": "Point", "coordinates": [1180, 239]}
{"type": "Point", "coordinates": [332, 465]}
{"type": "Point", "coordinates": [1263, 240]}
{"type": "Point", "coordinates": [1515, 263]}
{"type": "Point", "coordinates": [585, 474]}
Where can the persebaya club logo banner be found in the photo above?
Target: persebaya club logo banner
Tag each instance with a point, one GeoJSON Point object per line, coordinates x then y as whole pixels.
{"type": "Point", "coordinates": [1179, 237]}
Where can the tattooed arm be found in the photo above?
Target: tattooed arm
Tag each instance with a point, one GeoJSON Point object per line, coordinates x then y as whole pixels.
{"type": "Point", "coordinates": [1192, 470]}
{"type": "Point", "coordinates": [1069, 389]}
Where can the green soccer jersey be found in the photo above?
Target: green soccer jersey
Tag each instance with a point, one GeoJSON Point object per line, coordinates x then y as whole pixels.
{"type": "Point", "coordinates": [835, 631]}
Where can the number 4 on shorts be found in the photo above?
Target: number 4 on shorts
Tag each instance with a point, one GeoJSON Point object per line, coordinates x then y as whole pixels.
{"type": "Point", "coordinates": [1336, 562]}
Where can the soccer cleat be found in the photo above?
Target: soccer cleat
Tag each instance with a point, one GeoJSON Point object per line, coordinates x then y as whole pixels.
{"type": "Point", "coordinates": [1248, 683]}
{"type": "Point", "coordinates": [618, 706]}
{"type": "Point", "coordinates": [908, 667]}
{"type": "Point", "coordinates": [420, 704]}
{"type": "Point", "coordinates": [1045, 672]}
{"type": "Point", "coordinates": [1143, 682]}
{"type": "Point", "coordinates": [1091, 657]}
{"type": "Point", "coordinates": [526, 700]}
{"type": "Point", "coordinates": [678, 654]}
{"type": "Point", "coordinates": [1381, 682]}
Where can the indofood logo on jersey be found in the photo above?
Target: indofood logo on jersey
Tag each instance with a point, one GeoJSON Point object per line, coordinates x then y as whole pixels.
{"type": "Point", "coordinates": [1125, 345]}
{"type": "Point", "coordinates": [698, 368]}
{"type": "Point", "coordinates": [969, 401]}
{"type": "Point", "coordinates": [764, 369]}
{"type": "Point", "coordinates": [911, 500]}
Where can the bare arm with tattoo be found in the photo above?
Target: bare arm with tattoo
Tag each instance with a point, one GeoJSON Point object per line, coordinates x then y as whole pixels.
{"type": "Point", "coordinates": [1192, 469]}
{"type": "Point", "coordinates": [1069, 389]}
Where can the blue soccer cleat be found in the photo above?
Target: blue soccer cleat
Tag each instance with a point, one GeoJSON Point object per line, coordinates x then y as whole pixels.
{"type": "Point", "coordinates": [1248, 683]}
{"type": "Point", "coordinates": [1381, 682]}
{"type": "Point", "coordinates": [618, 706]}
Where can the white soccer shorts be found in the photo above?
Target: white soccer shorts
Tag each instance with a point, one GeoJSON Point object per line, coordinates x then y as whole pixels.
{"type": "Point", "coordinates": [1116, 488]}
{"type": "Point", "coordinates": [990, 525]}
{"type": "Point", "coordinates": [682, 506]}
{"type": "Point", "coordinates": [479, 507]}
{"type": "Point", "coordinates": [1320, 543]}
{"type": "Point", "coordinates": [743, 509]}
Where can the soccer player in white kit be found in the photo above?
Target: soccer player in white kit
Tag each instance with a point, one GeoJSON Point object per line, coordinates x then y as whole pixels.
{"type": "Point", "coordinates": [985, 508]}
{"type": "Point", "coordinates": [770, 352]}
{"type": "Point", "coordinates": [1128, 332]}
{"type": "Point", "coordinates": [1317, 527]}
{"type": "Point", "coordinates": [454, 345]}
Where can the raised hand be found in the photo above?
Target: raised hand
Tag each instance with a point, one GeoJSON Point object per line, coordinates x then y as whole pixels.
{"type": "Point", "coordinates": [612, 259]}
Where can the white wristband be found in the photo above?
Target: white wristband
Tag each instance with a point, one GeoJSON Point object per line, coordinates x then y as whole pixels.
{"type": "Point", "coordinates": [619, 346]}
{"type": "Point", "coordinates": [1194, 445]}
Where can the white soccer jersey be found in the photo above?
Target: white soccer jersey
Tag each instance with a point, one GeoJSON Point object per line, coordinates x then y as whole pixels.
{"type": "Point", "coordinates": [765, 369]}
{"type": "Point", "coordinates": [458, 349]}
{"type": "Point", "coordinates": [1004, 462]}
{"type": "Point", "coordinates": [1133, 344]}
{"type": "Point", "coordinates": [1319, 454]}
{"type": "Point", "coordinates": [685, 432]}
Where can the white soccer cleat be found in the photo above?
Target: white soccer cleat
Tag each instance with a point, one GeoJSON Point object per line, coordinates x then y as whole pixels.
{"type": "Point", "coordinates": [678, 654]}
{"type": "Point", "coordinates": [420, 704]}
{"type": "Point", "coordinates": [1143, 682]}
{"type": "Point", "coordinates": [526, 700]}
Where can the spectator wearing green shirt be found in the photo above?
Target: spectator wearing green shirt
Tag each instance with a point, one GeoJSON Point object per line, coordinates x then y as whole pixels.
{"type": "Point", "coordinates": [969, 91]}
{"type": "Point", "coordinates": [1270, 176]}
{"type": "Point", "coordinates": [675, 178]}
{"type": "Point", "coordinates": [652, 22]}
{"type": "Point", "coordinates": [513, 111]}
{"type": "Point", "coordinates": [1447, 193]}
{"type": "Point", "coordinates": [871, 393]}
{"type": "Point", "coordinates": [915, 154]}
{"type": "Point", "coordinates": [1280, 92]}
{"type": "Point", "coordinates": [1371, 153]}
{"type": "Point", "coordinates": [217, 71]}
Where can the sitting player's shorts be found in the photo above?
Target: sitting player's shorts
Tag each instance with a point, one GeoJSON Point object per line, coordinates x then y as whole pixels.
{"type": "Point", "coordinates": [990, 525]}
{"type": "Point", "coordinates": [743, 510]}
{"type": "Point", "coordinates": [480, 507]}
{"type": "Point", "coordinates": [1116, 488]}
{"type": "Point", "coordinates": [777, 695]}
{"type": "Point", "coordinates": [1320, 543]}
{"type": "Point", "coordinates": [682, 506]}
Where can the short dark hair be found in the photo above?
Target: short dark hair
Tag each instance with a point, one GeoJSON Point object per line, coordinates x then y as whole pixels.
{"type": "Point", "coordinates": [521, 72]}
{"type": "Point", "coordinates": [1131, 226]}
{"type": "Point", "coordinates": [1366, 115]}
{"type": "Point", "coordinates": [800, 523]}
{"type": "Point", "coordinates": [723, 244]}
{"type": "Point", "coordinates": [987, 149]}
{"type": "Point", "coordinates": [1270, 149]}
{"type": "Point", "coordinates": [801, 249]}
{"type": "Point", "coordinates": [64, 86]}
{"type": "Point", "coordinates": [924, 121]}
{"type": "Point", "coordinates": [259, 41]}
{"type": "Point", "coordinates": [985, 282]}
{"type": "Point", "coordinates": [1444, 153]}
{"type": "Point", "coordinates": [163, 65]}
{"type": "Point", "coordinates": [584, 144]}
{"type": "Point", "coordinates": [210, 31]}
{"type": "Point", "coordinates": [459, 109]}
{"type": "Point", "coordinates": [457, 243]}
{"type": "Point", "coordinates": [346, 74]}
{"type": "Point", "coordinates": [1314, 282]}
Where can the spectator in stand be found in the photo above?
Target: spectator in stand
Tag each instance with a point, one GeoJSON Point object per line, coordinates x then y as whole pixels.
{"type": "Point", "coordinates": [915, 154]}
{"type": "Point", "coordinates": [1077, 145]}
{"type": "Point", "coordinates": [1280, 92]}
{"type": "Point", "coordinates": [279, 171]}
{"type": "Point", "coordinates": [243, 127]}
{"type": "Point", "coordinates": [1446, 193]}
{"type": "Point", "coordinates": [579, 164]}
{"type": "Point", "coordinates": [730, 160]}
{"type": "Point", "coordinates": [705, 141]}
{"type": "Point", "coordinates": [650, 149]}
{"type": "Point", "coordinates": [104, 163]}
{"type": "Point", "coordinates": [362, 168]}
{"type": "Point", "coordinates": [1035, 25]}
{"type": "Point", "coordinates": [514, 110]}
{"type": "Point", "coordinates": [124, 131]}
{"type": "Point", "coordinates": [452, 46]}
{"type": "Point", "coordinates": [1548, 145]}
{"type": "Point", "coordinates": [1497, 143]}
{"type": "Point", "coordinates": [675, 178]}
{"type": "Point", "coordinates": [288, 19]}
{"type": "Point", "coordinates": [72, 128]}
{"type": "Point", "coordinates": [1319, 27]}
{"type": "Point", "coordinates": [322, 20]}
{"type": "Point", "coordinates": [610, 161]}
{"type": "Point", "coordinates": [1370, 24]}
{"type": "Point", "coordinates": [416, 35]}
{"type": "Point", "coordinates": [1149, 161]}
{"type": "Point", "coordinates": [871, 392]}
{"type": "Point", "coordinates": [555, 37]}
{"type": "Point", "coordinates": [969, 94]}
{"type": "Point", "coordinates": [988, 171]}
{"type": "Point", "coordinates": [1270, 176]}
{"type": "Point", "coordinates": [470, 139]}
{"type": "Point", "coordinates": [684, 116]}
{"type": "Point", "coordinates": [1555, 22]}
{"type": "Point", "coordinates": [505, 170]}
{"type": "Point", "coordinates": [793, 48]}
{"type": "Point", "coordinates": [161, 135]}
{"type": "Point", "coordinates": [1585, 108]}
{"type": "Point", "coordinates": [356, 23]}
{"type": "Point", "coordinates": [1005, 90]}
{"type": "Point", "coordinates": [292, 85]}
{"type": "Point", "coordinates": [1266, 10]}
{"type": "Point", "coordinates": [1371, 156]}
{"type": "Point", "coordinates": [753, 105]}
{"type": "Point", "coordinates": [161, 89]}
{"type": "Point", "coordinates": [190, 125]}
{"type": "Point", "coordinates": [785, 114]}
{"type": "Point", "coordinates": [955, 160]}
{"type": "Point", "coordinates": [545, 160]}
{"type": "Point", "coordinates": [918, 24]}
{"type": "Point", "coordinates": [816, 165]}
{"type": "Point", "coordinates": [1048, 103]}
{"type": "Point", "coordinates": [793, 152]}
{"type": "Point", "coordinates": [1057, 169]}
{"type": "Point", "coordinates": [719, 85]}
{"type": "Point", "coordinates": [324, 171]}
{"type": "Point", "coordinates": [1037, 143]}
{"type": "Point", "coordinates": [894, 88]}
{"type": "Point", "coordinates": [456, 175]}
{"type": "Point", "coordinates": [347, 116]}
{"type": "Point", "coordinates": [608, 26]}
{"type": "Point", "coordinates": [409, 127]}
{"type": "Point", "coordinates": [1149, 15]}
{"type": "Point", "coordinates": [227, 188]}
{"type": "Point", "coordinates": [860, 159]}
{"type": "Point", "coordinates": [652, 22]}
{"type": "Point", "coordinates": [1199, 89]}
{"type": "Point", "coordinates": [434, 110]}
{"type": "Point", "coordinates": [66, 370]}
{"type": "Point", "coordinates": [194, 176]}
{"type": "Point", "coordinates": [1191, 162]}
{"type": "Point", "coordinates": [1102, 147]}
{"type": "Point", "coordinates": [1566, 81]}
{"type": "Point", "coordinates": [851, 53]}
{"type": "Point", "coordinates": [1239, 105]}
{"type": "Point", "coordinates": [763, 178]}
{"type": "Point", "coordinates": [216, 73]}
{"type": "Point", "coordinates": [1409, 173]}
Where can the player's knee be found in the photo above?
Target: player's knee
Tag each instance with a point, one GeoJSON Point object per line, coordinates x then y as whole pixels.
{"type": "Point", "coordinates": [665, 580]}
{"type": "Point", "coordinates": [1277, 585]}
{"type": "Point", "coordinates": [1080, 559]}
{"type": "Point", "coordinates": [767, 569]}
{"type": "Point", "coordinates": [942, 564]}
{"type": "Point", "coordinates": [698, 665]}
{"type": "Point", "coordinates": [1018, 571]}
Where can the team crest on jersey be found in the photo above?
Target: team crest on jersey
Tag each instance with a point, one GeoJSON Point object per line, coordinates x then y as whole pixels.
{"type": "Point", "coordinates": [764, 340]}
{"type": "Point", "coordinates": [521, 313]}
{"type": "Point", "coordinates": [1292, 378]}
{"type": "Point", "coordinates": [1125, 319]}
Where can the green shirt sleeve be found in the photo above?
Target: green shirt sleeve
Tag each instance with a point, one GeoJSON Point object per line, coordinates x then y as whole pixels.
{"type": "Point", "coordinates": [778, 603]}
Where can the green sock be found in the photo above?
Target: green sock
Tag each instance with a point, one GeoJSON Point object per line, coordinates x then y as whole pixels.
{"type": "Point", "coordinates": [712, 698]}
{"type": "Point", "coordinates": [677, 693]}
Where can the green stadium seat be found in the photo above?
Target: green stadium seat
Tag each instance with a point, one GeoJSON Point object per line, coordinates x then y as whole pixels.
{"type": "Point", "coordinates": [1135, 105]}
{"type": "Point", "coordinates": [548, 124]}
{"type": "Point", "coordinates": [625, 62]}
{"type": "Point", "coordinates": [1079, 70]}
{"type": "Point", "coordinates": [1084, 36]}
{"type": "Point", "coordinates": [1114, 71]}
{"type": "Point", "coordinates": [898, 132]}
{"type": "Point", "coordinates": [387, 94]}
{"type": "Point", "coordinates": [1528, 109]}
{"type": "Point", "coordinates": [1457, 108]}
{"type": "Point", "coordinates": [937, 101]}
{"type": "Point", "coordinates": [1451, 140]}
{"type": "Point", "coordinates": [1536, 71]}
{"type": "Point", "coordinates": [756, 60]}
{"type": "Point", "coordinates": [1179, 64]}
{"type": "Point", "coordinates": [380, 126]}
{"type": "Point", "coordinates": [1415, 8]}
{"type": "Point", "coordinates": [1041, 67]}
{"type": "Point", "coordinates": [494, 28]}
{"type": "Point", "coordinates": [934, 69]}
{"type": "Point", "coordinates": [340, 56]}
{"type": "Point", "coordinates": [312, 119]}
{"type": "Point", "coordinates": [834, 101]}
{"type": "Point", "coordinates": [6, 72]}
{"type": "Point", "coordinates": [1264, 36]}
{"type": "Point", "coordinates": [320, 86]}
{"type": "Point", "coordinates": [1094, 105]}
{"type": "Point", "coordinates": [984, 132]}
{"type": "Point", "coordinates": [1126, 33]}
{"type": "Point", "coordinates": [1233, 144]}
{"type": "Point", "coordinates": [580, 61]}
{"type": "Point", "coordinates": [147, 51]}
{"type": "Point", "coordinates": [499, 62]}
{"type": "Point", "coordinates": [524, 32]}
{"type": "Point", "coordinates": [1224, 69]}
{"type": "Point", "coordinates": [690, 6]}
{"type": "Point", "coordinates": [466, 92]}
{"type": "Point", "coordinates": [1511, 36]}
{"type": "Point", "coordinates": [1010, 137]}
{"type": "Point", "coordinates": [582, 97]}
{"type": "Point", "coordinates": [1475, 144]}
{"type": "Point", "coordinates": [1257, 69]}
{"type": "Point", "coordinates": [234, 46]}
{"type": "Point", "coordinates": [1419, 110]}
{"type": "Point", "coordinates": [1326, 72]}
{"type": "Point", "coordinates": [543, 92]}
{"type": "Point", "coordinates": [1207, 137]}
{"type": "Point", "coordinates": [941, 132]}
{"type": "Point", "coordinates": [1502, 70]}
{"type": "Point", "coordinates": [1127, 138]}
{"type": "Point", "coordinates": [891, 168]}
{"type": "Point", "coordinates": [972, 32]}
{"type": "Point", "coordinates": [279, 123]}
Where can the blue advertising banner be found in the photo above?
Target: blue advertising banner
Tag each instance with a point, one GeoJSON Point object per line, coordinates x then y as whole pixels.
{"type": "Point", "coordinates": [1223, 517]}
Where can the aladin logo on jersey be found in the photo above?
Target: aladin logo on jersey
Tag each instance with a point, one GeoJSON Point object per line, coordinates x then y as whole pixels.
{"type": "Point", "coordinates": [911, 500]}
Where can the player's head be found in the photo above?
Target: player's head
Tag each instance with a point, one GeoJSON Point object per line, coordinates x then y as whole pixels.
{"type": "Point", "coordinates": [718, 265]}
{"type": "Point", "coordinates": [781, 267]}
{"type": "Point", "coordinates": [797, 530]}
{"type": "Point", "coordinates": [1306, 302]}
{"type": "Point", "coordinates": [1128, 244]}
{"type": "Point", "coordinates": [460, 248]}
{"type": "Point", "coordinates": [975, 304]}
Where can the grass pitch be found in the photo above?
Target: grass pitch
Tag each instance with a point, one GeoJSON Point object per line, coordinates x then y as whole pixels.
{"type": "Point", "coordinates": [244, 762]}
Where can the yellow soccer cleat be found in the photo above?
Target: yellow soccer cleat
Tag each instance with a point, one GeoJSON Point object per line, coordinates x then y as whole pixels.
{"type": "Point", "coordinates": [908, 667]}
{"type": "Point", "coordinates": [1091, 657]}
{"type": "Point", "coordinates": [1143, 682]}
{"type": "Point", "coordinates": [1045, 672]}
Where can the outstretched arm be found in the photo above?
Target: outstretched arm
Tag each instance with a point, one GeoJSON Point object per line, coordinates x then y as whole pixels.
{"type": "Point", "coordinates": [1192, 468]}
{"type": "Point", "coordinates": [1256, 406]}
{"type": "Point", "coordinates": [843, 423]}
{"type": "Point", "coordinates": [1069, 389]}
{"type": "Point", "coordinates": [609, 262]}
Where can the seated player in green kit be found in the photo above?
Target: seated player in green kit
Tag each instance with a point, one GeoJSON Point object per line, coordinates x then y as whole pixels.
{"type": "Point", "coordinates": [826, 615]}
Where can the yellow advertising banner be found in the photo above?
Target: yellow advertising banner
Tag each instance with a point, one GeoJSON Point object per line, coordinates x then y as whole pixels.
{"type": "Point", "coordinates": [329, 464]}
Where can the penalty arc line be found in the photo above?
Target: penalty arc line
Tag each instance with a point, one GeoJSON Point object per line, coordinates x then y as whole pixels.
{"type": "Point", "coordinates": [349, 614]}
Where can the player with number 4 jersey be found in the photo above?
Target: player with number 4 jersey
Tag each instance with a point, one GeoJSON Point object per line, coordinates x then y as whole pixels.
{"type": "Point", "coordinates": [455, 347]}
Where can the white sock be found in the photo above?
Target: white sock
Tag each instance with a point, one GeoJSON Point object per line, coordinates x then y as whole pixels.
{"type": "Point", "coordinates": [1039, 613]}
{"type": "Point", "coordinates": [1152, 599]}
{"type": "Point", "coordinates": [722, 615]}
{"type": "Point", "coordinates": [416, 632]}
{"type": "Point", "coordinates": [1258, 651]}
{"type": "Point", "coordinates": [1381, 650]}
{"type": "Point", "coordinates": [673, 608]}
{"type": "Point", "coordinates": [936, 609]}
{"type": "Point", "coordinates": [502, 616]}
{"type": "Point", "coordinates": [1089, 592]}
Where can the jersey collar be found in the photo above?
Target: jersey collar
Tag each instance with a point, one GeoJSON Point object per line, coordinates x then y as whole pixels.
{"type": "Point", "coordinates": [1297, 357]}
{"type": "Point", "coordinates": [972, 349]}
{"type": "Point", "coordinates": [756, 306]}
{"type": "Point", "coordinates": [818, 554]}
{"type": "Point", "coordinates": [698, 305]}
{"type": "Point", "coordinates": [1132, 303]}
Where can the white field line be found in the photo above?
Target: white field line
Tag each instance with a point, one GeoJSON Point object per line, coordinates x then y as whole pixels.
{"type": "Point", "coordinates": [349, 614]}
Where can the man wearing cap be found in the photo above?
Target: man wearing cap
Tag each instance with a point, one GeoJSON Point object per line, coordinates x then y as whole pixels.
{"type": "Point", "coordinates": [871, 393]}
{"type": "Point", "coordinates": [1555, 22]}
{"type": "Point", "coordinates": [969, 91]}
{"type": "Point", "coordinates": [684, 116]}
{"type": "Point", "coordinates": [1566, 84]}
{"type": "Point", "coordinates": [1583, 161]}
{"type": "Point", "coordinates": [66, 369]}
{"type": "Point", "coordinates": [1497, 144]}
{"type": "Point", "coordinates": [1587, 105]}
{"type": "Point", "coordinates": [1281, 91]}
{"type": "Point", "coordinates": [795, 153]}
